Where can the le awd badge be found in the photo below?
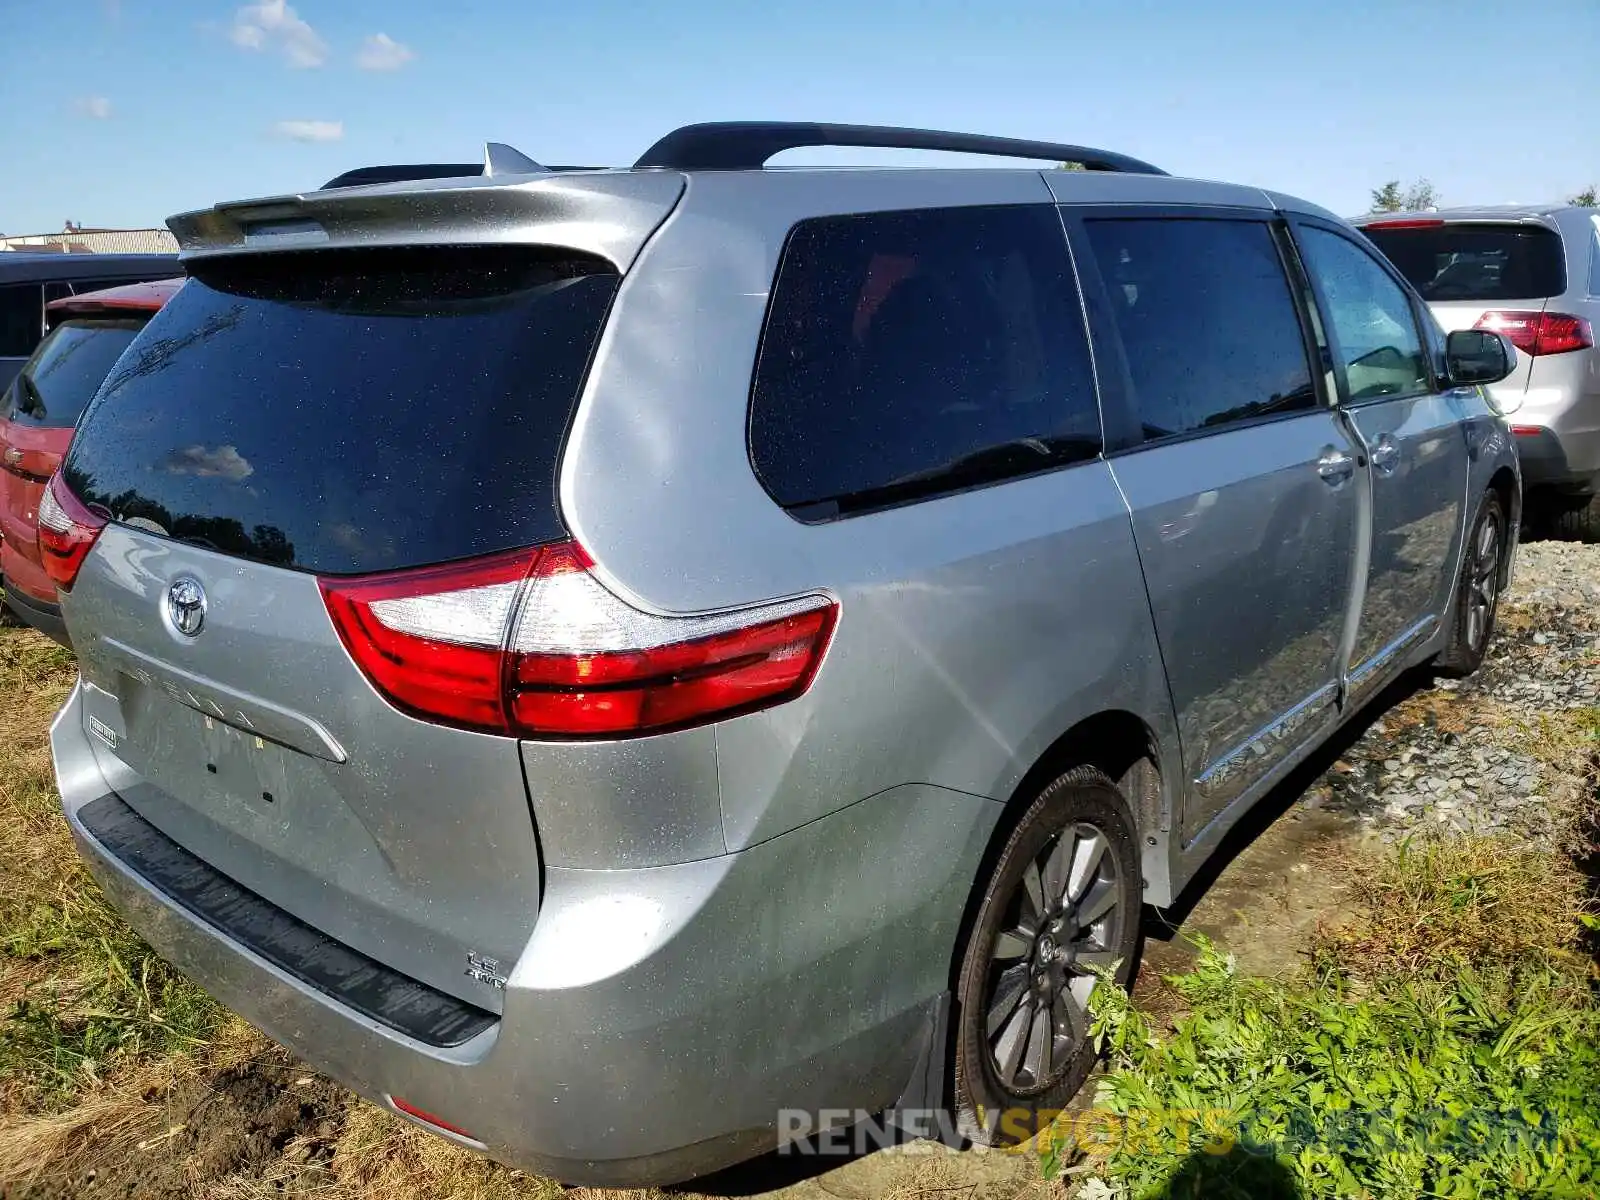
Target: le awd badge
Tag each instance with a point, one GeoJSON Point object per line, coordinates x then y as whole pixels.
{"type": "Point", "coordinates": [485, 970]}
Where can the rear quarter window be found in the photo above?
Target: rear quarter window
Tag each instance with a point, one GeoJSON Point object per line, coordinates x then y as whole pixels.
{"type": "Point", "coordinates": [55, 386]}
{"type": "Point", "coordinates": [350, 411]}
{"type": "Point", "coordinates": [1594, 257]}
{"type": "Point", "coordinates": [1461, 260]}
{"type": "Point", "coordinates": [21, 318]}
{"type": "Point", "coordinates": [912, 354]}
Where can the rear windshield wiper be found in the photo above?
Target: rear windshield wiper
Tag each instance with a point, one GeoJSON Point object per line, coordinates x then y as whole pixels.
{"type": "Point", "coordinates": [34, 404]}
{"type": "Point", "coordinates": [1020, 456]}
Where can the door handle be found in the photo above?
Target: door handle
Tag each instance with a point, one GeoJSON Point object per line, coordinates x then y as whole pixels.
{"type": "Point", "coordinates": [1385, 455]}
{"type": "Point", "coordinates": [13, 456]}
{"type": "Point", "coordinates": [1335, 466]}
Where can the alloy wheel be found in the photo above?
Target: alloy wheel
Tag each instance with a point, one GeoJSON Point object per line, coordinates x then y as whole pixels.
{"type": "Point", "coordinates": [1065, 919]}
{"type": "Point", "coordinates": [1483, 585]}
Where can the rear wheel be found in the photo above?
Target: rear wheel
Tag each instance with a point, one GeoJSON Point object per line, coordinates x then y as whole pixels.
{"type": "Point", "coordinates": [1478, 593]}
{"type": "Point", "coordinates": [1064, 899]}
{"type": "Point", "coordinates": [1578, 524]}
{"type": "Point", "coordinates": [8, 619]}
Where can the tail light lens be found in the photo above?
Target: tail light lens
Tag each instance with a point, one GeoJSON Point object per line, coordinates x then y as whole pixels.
{"type": "Point", "coordinates": [531, 643]}
{"type": "Point", "coordinates": [1536, 333]}
{"type": "Point", "coordinates": [67, 532]}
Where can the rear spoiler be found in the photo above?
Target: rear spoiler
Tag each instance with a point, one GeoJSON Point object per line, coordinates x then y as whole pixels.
{"type": "Point", "coordinates": [498, 159]}
{"type": "Point", "coordinates": [605, 213]}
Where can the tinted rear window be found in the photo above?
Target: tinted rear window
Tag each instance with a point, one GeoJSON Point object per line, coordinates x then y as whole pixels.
{"type": "Point", "coordinates": [61, 378]}
{"type": "Point", "coordinates": [21, 319]}
{"type": "Point", "coordinates": [910, 354]}
{"type": "Point", "coordinates": [350, 411]}
{"type": "Point", "coordinates": [1461, 261]}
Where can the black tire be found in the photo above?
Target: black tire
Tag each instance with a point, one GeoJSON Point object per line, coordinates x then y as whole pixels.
{"type": "Point", "coordinates": [1578, 524]}
{"type": "Point", "coordinates": [8, 619]}
{"type": "Point", "coordinates": [1022, 978]}
{"type": "Point", "coordinates": [1477, 591]}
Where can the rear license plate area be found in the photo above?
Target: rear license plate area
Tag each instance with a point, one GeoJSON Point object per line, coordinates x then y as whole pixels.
{"type": "Point", "coordinates": [243, 766]}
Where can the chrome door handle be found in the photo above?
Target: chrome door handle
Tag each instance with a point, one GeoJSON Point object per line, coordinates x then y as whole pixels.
{"type": "Point", "coordinates": [13, 456]}
{"type": "Point", "coordinates": [1385, 455]}
{"type": "Point", "coordinates": [1335, 466]}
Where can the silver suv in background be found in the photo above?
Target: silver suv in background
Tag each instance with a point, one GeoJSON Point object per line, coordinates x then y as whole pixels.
{"type": "Point", "coordinates": [1533, 274]}
{"type": "Point", "coordinates": [676, 646]}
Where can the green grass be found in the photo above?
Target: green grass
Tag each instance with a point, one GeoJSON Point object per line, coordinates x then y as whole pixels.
{"type": "Point", "coordinates": [102, 1000]}
{"type": "Point", "coordinates": [81, 995]}
{"type": "Point", "coordinates": [1446, 1045]}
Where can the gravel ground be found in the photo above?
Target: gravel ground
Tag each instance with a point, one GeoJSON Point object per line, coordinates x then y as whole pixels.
{"type": "Point", "coordinates": [1508, 749]}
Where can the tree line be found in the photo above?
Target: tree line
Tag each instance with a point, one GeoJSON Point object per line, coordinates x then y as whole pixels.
{"type": "Point", "coordinates": [1422, 195]}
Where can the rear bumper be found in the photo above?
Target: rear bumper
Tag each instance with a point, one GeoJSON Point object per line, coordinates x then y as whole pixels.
{"type": "Point", "coordinates": [41, 614]}
{"type": "Point", "coordinates": [660, 1018]}
{"type": "Point", "coordinates": [1561, 462]}
{"type": "Point", "coordinates": [1558, 424]}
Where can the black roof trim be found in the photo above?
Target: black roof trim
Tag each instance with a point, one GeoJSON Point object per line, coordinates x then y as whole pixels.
{"type": "Point", "coordinates": [747, 145]}
{"type": "Point", "coordinates": [397, 172]}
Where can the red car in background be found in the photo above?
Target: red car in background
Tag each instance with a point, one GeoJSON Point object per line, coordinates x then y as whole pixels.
{"type": "Point", "coordinates": [88, 333]}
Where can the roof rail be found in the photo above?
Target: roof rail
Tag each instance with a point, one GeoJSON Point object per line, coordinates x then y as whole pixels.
{"type": "Point", "coordinates": [498, 159]}
{"type": "Point", "coordinates": [747, 145]}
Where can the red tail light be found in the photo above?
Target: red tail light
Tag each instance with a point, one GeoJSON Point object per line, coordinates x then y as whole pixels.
{"type": "Point", "coordinates": [1538, 333]}
{"type": "Point", "coordinates": [67, 532]}
{"type": "Point", "coordinates": [531, 643]}
{"type": "Point", "coordinates": [1406, 223]}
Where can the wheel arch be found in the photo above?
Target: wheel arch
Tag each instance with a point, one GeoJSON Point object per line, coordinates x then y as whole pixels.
{"type": "Point", "coordinates": [1117, 742]}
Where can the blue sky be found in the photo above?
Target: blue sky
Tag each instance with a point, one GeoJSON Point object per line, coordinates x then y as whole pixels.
{"type": "Point", "coordinates": [121, 112]}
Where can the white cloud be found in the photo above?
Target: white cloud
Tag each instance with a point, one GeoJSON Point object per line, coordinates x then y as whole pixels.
{"type": "Point", "coordinates": [380, 52]}
{"type": "Point", "coordinates": [209, 462]}
{"type": "Point", "coordinates": [310, 131]}
{"type": "Point", "coordinates": [97, 107]}
{"type": "Point", "coordinates": [274, 25]}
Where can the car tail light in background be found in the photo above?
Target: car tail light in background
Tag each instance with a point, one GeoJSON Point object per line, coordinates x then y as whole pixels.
{"type": "Point", "coordinates": [532, 643]}
{"type": "Point", "coordinates": [1538, 333]}
{"type": "Point", "coordinates": [67, 532]}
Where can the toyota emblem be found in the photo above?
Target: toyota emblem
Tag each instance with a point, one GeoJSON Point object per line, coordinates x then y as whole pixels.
{"type": "Point", "coordinates": [186, 606]}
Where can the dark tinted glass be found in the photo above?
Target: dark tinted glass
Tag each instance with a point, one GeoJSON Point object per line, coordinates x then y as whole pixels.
{"type": "Point", "coordinates": [1207, 319]}
{"type": "Point", "coordinates": [1461, 261]}
{"type": "Point", "coordinates": [52, 389]}
{"type": "Point", "coordinates": [914, 353]}
{"type": "Point", "coordinates": [350, 411]}
{"type": "Point", "coordinates": [21, 319]}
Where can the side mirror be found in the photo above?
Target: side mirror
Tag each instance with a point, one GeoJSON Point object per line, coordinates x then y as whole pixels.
{"type": "Point", "coordinates": [1474, 356]}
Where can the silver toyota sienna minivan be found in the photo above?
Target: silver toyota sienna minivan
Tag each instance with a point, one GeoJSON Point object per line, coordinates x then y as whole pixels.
{"type": "Point", "coordinates": [595, 660]}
